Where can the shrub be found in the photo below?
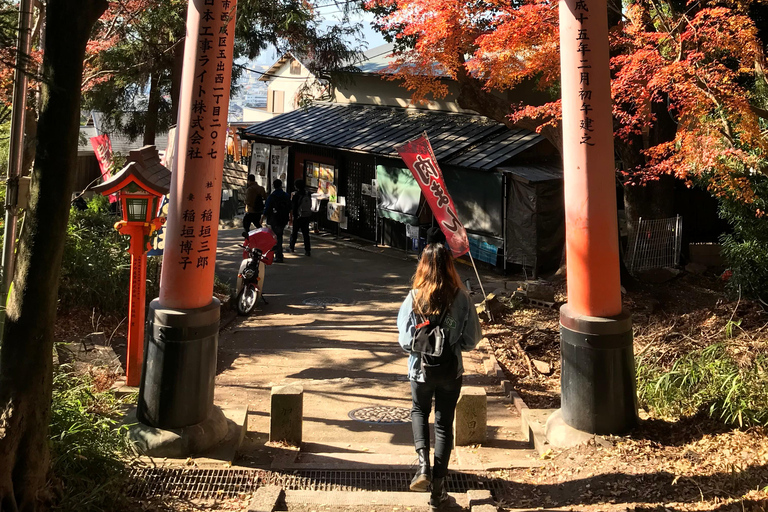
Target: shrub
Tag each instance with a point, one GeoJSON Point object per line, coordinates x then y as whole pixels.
{"type": "Point", "coordinates": [89, 449]}
{"type": "Point", "coordinates": [96, 265]}
{"type": "Point", "coordinates": [708, 379]}
{"type": "Point", "coordinates": [745, 249]}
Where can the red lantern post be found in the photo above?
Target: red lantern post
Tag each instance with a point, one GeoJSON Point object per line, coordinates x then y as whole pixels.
{"type": "Point", "coordinates": [140, 186]}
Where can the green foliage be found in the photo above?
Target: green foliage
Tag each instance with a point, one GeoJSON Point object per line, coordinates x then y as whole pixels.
{"type": "Point", "coordinates": [745, 248]}
{"type": "Point", "coordinates": [89, 449]}
{"type": "Point", "coordinates": [710, 380]}
{"type": "Point", "coordinates": [96, 265]}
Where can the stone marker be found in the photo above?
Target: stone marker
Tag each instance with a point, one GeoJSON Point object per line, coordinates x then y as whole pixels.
{"type": "Point", "coordinates": [469, 426]}
{"type": "Point", "coordinates": [286, 416]}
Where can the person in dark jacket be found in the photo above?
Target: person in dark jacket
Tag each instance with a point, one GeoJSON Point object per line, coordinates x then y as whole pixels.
{"type": "Point", "coordinates": [277, 211]}
{"type": "Point", "coordinates": [437, 291]}
{"type": "Point", "coordinates": [255, 195]}
{"type": "Point", "coordinates": [302, 214]}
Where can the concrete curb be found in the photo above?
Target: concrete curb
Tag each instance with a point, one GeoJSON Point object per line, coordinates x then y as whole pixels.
{"type": "Point", "coordinates": [481, 501]}
{"type": "Point", "coordinates": [533, 423]}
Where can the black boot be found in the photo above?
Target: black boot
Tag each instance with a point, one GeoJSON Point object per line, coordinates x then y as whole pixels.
{"type": "Point", "coordinates": [423, 477]}
{"type": "Point", "coordinates": [439, 495]}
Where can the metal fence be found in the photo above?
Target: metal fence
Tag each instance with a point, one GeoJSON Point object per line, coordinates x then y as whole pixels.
{"type": "Point", "coordinates": [654, 244]}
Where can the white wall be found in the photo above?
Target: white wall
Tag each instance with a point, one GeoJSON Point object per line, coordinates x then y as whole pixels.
{"type": "Point", "coordinates": [290, 85]}
{"type": "Point", "coordinates": [377, 90]}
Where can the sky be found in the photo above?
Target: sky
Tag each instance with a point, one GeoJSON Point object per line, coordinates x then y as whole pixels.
{"type": "Point", "coordinates": [370, 36]}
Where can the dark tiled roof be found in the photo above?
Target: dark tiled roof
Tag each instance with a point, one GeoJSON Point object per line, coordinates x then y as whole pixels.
{"type": "Point", "coordinates": [145, 164]}
{"type": "Point", "coordinates": [234, 176]}
{"type": "Point", "coordinates": [120, 143]}
{"type": "Point", "coordinates": [457, 139]}
{"type": "Point", "coordinates": [535, 173]}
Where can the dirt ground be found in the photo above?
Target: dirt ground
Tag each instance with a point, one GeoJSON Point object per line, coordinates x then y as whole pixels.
{"type": "Point", "coordinates": [689, 464]}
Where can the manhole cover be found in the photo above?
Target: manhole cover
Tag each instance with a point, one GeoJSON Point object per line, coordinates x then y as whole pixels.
{"type": "Point", "coordinates": [381, 414]}
{"type": "Point", "coordinates": [321, 301]}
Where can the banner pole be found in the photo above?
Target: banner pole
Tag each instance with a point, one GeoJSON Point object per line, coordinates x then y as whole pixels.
{"type": "Point", "coordinates": [490, 316]}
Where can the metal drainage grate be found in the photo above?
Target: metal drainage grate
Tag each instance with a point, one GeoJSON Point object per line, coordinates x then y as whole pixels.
{"type": "Point", "coordinates": [233, 483]}
{"type": "Point", "coordinates": [381, 414]}
{"type": "Point", "coordinates": [193, 483]}
{"type": "Point", "coordinates": [321, 301]}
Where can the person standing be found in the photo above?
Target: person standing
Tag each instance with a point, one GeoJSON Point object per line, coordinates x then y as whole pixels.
{"type": "Point", "coordinates": [255, 195]}
{"type": "Point", "coordinates": [277, 211]}
{"type": "Point", "coordinates": [437, 295]}
{"type": "Point", "coordinates": [301, 215]}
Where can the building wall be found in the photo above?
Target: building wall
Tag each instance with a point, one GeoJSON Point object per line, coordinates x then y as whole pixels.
{"type": "Point", "coordinates": [284, 88]}
{"type": "Point", "coordinates": [376, 90]}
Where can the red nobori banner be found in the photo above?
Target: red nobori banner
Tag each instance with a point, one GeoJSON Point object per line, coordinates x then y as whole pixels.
{"type": "Point", "coordinates": [102, 146]}
{"type": "Point", "coordinates": [420, 159]}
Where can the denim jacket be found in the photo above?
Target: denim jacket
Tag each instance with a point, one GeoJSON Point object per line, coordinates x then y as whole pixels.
{"type": "Point", "coordinates": [461, 326]}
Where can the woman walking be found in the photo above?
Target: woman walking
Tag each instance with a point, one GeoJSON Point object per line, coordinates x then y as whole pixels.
{"type": "Point", "coordinates": [437, 294]}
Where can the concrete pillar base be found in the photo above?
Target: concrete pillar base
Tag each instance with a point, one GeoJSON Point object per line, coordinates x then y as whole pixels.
{"type": "Point", "coordinates": [180, 442]}
{"type": "Point", "coordinates": [179, 366]}
{"type": "Point", "coordinates": [561, 435]}
{"type": "Point", "coordinates": [598, 373]}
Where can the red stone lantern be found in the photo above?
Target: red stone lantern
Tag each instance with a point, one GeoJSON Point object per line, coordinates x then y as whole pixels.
{"type": "Point", "coordinates": [140, 186]}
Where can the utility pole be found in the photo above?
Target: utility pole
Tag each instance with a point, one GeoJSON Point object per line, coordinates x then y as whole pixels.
{"type": "Point", "coordinates": [16, 149]}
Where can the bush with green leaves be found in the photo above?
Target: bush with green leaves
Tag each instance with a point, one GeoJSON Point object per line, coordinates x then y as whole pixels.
{"type": "Point", "coordinates": [745, 248]}
{"type": "Point", "coordinates": [89, 449]}
{"type": "Point", "coordinates": [710, 380]}
{"type": "Point", "coordinates": [96, 265]}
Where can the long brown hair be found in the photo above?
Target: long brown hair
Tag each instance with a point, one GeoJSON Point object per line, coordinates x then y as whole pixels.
{"type": "Point", "coordinates": [435, 280]}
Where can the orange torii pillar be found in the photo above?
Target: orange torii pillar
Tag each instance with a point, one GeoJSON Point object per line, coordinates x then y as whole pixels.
{"type": "Point", "coordinates": [180, 358]}
{"type": "Point", "coordinates": [598, 372]}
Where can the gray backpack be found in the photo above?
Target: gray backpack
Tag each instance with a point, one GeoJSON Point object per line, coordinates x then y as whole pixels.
{"type": "Point", "coordinates": [305, 206]}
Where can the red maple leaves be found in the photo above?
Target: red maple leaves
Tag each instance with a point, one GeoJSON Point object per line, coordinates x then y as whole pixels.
{"type": "Point", "coordinates": [699, 64]}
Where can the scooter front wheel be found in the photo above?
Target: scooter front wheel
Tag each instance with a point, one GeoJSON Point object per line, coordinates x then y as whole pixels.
{"type": "Point", "coordinates": [247, 299]}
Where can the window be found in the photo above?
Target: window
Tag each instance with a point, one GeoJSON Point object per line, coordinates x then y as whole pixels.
{"type": "Point", "coordinates": [295, 67]}
{"type": "Point", "coordinates": [278, 99]}
{"type": "Point", "coordinates": [322, 177]}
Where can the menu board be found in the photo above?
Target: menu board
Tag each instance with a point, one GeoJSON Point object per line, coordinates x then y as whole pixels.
{"type": "Point", "coordinates": [318, 173]}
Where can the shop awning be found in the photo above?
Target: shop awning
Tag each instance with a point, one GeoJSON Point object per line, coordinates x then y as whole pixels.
{"type": "Point", "coordinates": [468, 141]}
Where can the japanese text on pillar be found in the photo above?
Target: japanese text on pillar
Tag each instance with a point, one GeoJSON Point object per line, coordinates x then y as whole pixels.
{"type": "Point", "coordinates": [585, 93]}
{"type": "Point", "coordinates": [206, 127]}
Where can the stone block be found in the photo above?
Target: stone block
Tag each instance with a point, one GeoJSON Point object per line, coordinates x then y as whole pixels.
{"type": "Point", "coordinates": [537, 290]}
{"type": "Point", "coordinates": [469, 426]}
{"type": "Point", "coordinates": [286, 414]}
{"type": "Point", "coordinates": [506, 388]}
{"type": "Point", "coordinates": [266, 499]}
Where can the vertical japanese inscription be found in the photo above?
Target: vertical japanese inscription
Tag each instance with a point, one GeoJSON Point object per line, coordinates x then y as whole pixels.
{"type": "Point", "coordinates": [208, 121]}
{"type": "Point", "coordinates": [585, 92]}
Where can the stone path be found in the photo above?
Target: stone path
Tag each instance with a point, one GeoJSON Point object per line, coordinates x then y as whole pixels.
{"type": "Point", "coordinates": [330, 326]}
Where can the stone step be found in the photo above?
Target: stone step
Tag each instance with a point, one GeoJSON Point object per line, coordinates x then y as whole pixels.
{"type": "Point", "coordinates": [372, 499]}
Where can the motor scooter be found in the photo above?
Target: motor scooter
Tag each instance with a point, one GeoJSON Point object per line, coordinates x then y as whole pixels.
{"type": "Point", "coordinates": [257, 254]}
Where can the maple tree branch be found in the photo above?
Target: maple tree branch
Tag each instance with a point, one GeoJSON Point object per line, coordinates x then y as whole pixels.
{"type": "Point", "coordinates": [759, 112]}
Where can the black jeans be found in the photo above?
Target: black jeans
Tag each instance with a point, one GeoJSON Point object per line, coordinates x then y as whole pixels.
{"type": "Point", "coordinates": [301, 223]}
{"type": "Point", "coordinates": [446, 395]}
{"type": "Point", "coordinates": [251, 218]}
{"type": "Point", "coordinates": [278, 249]}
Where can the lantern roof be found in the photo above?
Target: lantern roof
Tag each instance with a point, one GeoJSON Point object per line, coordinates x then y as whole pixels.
{"type": "Point", "coordinates": [144, 168]}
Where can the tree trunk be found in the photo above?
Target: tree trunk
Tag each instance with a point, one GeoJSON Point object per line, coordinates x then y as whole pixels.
{"type": "Point", "coordinates": [150, 125]}
{"type": "Point", "coordinates": [178, 62]}
{"type": "Point", "coordinates": [27, 343]}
